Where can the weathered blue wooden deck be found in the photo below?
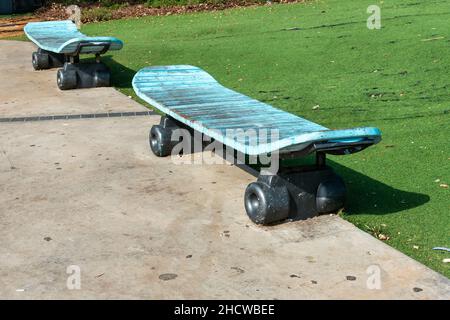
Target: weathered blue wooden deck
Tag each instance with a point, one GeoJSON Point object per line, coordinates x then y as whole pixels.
{"type": "Point", "coordinates": [195, 98]}
{"type": "Point", "coordinates": [64, 37]}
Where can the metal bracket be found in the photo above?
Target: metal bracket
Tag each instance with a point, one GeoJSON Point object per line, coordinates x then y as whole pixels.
{"type": "Point", "coordinates": [335, 148]}
{"type": "Point", "coordinates": [84, 44]}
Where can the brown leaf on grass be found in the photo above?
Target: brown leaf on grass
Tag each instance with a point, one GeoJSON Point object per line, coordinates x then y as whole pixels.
{"type": "Point", "coordinates": [383, 237]}
{"type": "Point", "coordinates": [434, 38]}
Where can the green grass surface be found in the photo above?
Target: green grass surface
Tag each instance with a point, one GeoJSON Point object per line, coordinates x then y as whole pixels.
{"type": "Point", "coordinates": [396, 78]}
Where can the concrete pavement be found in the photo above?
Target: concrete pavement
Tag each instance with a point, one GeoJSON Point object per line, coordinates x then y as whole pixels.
{"type": "Point", "coordinates": [89, 193]}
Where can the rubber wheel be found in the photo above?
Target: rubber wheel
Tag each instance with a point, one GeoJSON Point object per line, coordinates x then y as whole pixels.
{"type": "Point", "coordinates": [66, 79]}
{"type": "Point", "coordinates": [331, 195]}
{"type": "Point", "coordinates": [266, 204]}
{"type": "Point", "coordinates": [102, 79]}
{"type": "Point", "coordinates": [160, 141]}
{"type": "Point", "coordinates": [40, 61]}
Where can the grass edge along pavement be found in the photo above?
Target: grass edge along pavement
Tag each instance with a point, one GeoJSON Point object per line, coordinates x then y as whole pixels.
{"type": "Point", "coordinates": [319, 60]}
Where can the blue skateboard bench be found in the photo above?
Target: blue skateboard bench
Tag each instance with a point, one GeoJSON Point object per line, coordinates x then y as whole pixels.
{"type": "Point", "coordinates": [192, 99]}
{"type": "Point", "coordinates": [60, 45]}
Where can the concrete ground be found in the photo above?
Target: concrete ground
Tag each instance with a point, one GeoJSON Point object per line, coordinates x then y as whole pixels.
{"type": "Point", "coordinates": [89, 193]}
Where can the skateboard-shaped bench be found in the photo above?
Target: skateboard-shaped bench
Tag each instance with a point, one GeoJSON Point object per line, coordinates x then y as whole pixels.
{"type": "Point", "coordinates": [60, 45]}
{"type": "Point", "coordinates": [191, 98]}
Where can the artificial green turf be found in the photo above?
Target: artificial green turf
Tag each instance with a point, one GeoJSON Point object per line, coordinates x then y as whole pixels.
{"type": "Point", "coordinates": [396, 78]}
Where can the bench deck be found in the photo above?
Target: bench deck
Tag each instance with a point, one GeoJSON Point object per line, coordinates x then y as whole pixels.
{"type": "Point", "coordinates": [64, 37]}
{"type": "Point", "coordinates": [193, 97]}
{"type": "Point", "coordinates": [60, 45]}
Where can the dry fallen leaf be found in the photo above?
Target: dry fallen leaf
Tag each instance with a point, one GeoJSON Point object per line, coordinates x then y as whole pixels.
{"type": "Point", "coordinates": [382, 237]}
{"type": "Point", "coordinates": [434, 38]}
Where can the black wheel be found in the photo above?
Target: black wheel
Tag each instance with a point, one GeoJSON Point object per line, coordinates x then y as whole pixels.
{"type": "Point", "coordinates": [66, 79]}
{"type": "Point", "coordinates": [102, 79]}
{"type": "Point", "coordinates": [40, 61]}
{"type": "Point", "coordinates": [266, 204]}
{"type": "Point", "coordinates": [331, 195]}
{"type": "Point", "coordinates": [160, 140]}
